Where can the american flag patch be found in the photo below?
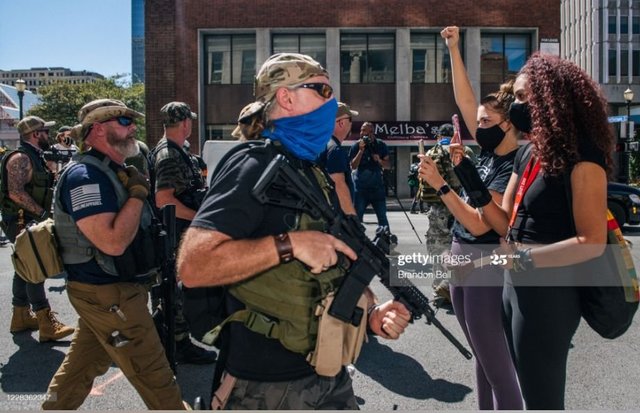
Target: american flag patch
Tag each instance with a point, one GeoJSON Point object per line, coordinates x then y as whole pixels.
{"type": "Point", "coordinates": [85, 196]}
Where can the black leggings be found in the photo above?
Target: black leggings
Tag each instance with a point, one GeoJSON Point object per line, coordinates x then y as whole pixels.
{"type": "Point", "coordinates": [540, 323]}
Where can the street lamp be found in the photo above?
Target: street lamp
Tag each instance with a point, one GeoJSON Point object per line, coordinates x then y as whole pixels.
{"type": "Point", "coordinates": [628, 97]}
{"type": "Point", "coordinates": [21, 85]}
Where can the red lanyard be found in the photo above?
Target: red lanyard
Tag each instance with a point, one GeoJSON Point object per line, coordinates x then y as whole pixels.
{"type": "Point", "coordinates": [529, 175]}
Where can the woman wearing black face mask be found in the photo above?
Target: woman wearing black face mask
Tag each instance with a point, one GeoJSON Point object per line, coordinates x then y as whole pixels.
{"type": "Point", "coordinates": [477, 298]}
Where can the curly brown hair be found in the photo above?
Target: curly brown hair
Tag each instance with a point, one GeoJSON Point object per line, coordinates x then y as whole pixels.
{"type": "Point", "coordinates": [567, 109]}
{"type": "Point", "coordinates": [500, 101]}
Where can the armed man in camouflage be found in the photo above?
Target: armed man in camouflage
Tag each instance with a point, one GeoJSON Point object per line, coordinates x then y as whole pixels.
{"type": "Point", "coordinates": [179, 182]}
{"type": "Point", "coordinates": [438, 237]}
{"type": "Point", "coordinates": [277, 262]}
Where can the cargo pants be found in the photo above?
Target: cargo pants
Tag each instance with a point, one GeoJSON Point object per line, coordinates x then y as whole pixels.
{"type": "Point", "coordinates": [141, 358]}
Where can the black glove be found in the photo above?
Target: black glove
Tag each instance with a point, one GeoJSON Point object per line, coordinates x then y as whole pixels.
{"type": "Point", "coordinates": [135, 182]}
{"type": "Point", "coordinates": [469, 177]}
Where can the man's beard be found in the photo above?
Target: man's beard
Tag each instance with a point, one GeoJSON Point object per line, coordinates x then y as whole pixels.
{"type": "Point", "coordinates": [43, 143]}
{"type": "Point", "coordinates": [127, 147]}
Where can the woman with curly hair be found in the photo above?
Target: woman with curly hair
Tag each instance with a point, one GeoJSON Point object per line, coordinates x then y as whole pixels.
{"type": "Point", "coordinates": [548, 214]}
{"type": "Point", "coordinates": [477, 299]}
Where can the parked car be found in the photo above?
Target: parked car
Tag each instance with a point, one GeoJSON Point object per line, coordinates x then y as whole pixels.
{"type": "Point", "coordinates": [624, 203]}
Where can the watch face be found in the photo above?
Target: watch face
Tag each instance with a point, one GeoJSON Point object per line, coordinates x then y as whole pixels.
{"type": "Point", "coordinates": [443, 190]}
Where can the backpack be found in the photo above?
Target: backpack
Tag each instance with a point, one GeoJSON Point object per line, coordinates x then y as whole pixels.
{"type": "Point", "coordinates": [440, 155]}
{"type": "Point", "coordinates": [35, 256]}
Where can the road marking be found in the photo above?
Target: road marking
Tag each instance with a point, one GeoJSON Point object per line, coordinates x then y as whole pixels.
{"type": "Point", "coordinates": [97, 390]}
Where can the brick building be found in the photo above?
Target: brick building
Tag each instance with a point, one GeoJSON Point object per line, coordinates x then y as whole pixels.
{"type": "Point", "coordinates": [385, 58]}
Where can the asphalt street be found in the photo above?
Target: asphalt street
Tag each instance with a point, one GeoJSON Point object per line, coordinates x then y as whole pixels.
{"type": "Point", "coordinates": [420, 371]}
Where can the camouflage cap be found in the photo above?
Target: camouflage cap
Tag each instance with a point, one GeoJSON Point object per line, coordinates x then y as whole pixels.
{"type": "Point", "coordinates": [100, 110]}
{"type": "Point", "coordinates": [282, 70]}
{"type": "Point", "coordinates": [345, 110]}
{"type": "Point", "coordinates": [31, 124]}
{"type": "Point", "coordinates": [174, 112]}
{"type": "Point", "coordinates": [446, 130]}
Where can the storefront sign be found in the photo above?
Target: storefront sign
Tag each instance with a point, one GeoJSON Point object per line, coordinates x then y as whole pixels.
{"type": "Point", "coordinates": [391, 131]}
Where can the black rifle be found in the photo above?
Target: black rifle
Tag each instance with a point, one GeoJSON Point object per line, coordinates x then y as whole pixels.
{"type": "Point", "coordinates": [163, 293]}
{"type": "Point", "coordinates": [282, 185]}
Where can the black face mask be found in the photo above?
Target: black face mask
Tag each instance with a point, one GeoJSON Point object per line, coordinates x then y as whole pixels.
{"type": "Point", "coordinates": [520, 116]}
{"type": "Point", "coordinates": [489, 138]}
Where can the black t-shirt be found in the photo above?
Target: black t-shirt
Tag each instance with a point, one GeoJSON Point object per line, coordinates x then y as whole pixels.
{"type": "Point", "coordinates": [544, 215]}
{"type": "Point", "coordinates": [230, 208]}
{"type": "Point", "coordinates": [495, 172]}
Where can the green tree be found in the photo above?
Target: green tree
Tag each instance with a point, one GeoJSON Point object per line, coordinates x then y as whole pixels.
{"type": "Point", "coordinates": [61, 101]}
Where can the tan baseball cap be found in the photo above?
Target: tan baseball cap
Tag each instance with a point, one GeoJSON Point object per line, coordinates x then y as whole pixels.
{"type": "Point", "coordinates": [345, 110]}
{"type": "Point", "coordinates": [31, 124]}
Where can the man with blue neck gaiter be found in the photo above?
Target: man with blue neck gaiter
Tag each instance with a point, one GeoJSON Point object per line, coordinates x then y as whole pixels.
{"type": "Point", "coordinates": [279, 348]}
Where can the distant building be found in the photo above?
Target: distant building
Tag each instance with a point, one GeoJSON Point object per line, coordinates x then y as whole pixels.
{"type": "Point", "coordinates": [137, 41]}
{"type": "Point", "coordinates": [603, 37]}
{"type": "Point", "coordinates": [37, 77]}
{"type": "Point", "coordinates": [10, 113]}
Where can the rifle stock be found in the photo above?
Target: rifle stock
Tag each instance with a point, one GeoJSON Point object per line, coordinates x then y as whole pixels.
{"type": "Point", "coordinates": [163, 293]}
{"type": "Point", "coordinates": [282, 185]}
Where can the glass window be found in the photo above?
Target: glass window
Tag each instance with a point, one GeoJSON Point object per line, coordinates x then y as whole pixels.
{"type": "Point", "coordinates": [430, 61]}
{"type": "Point", "coordinates": [612, 25]}
{"type": "Point", "coordinates": [367, 58]}
{"type": "Point", "coordinates": [624, 62]}
{"type": "Point", "coordinates": [503, 55]}
{"type": "Point", "coordinates": [313, 45]}
{"type": "Point", "coordinates": [636, 63]}
{"type": "Point", "coordinates": [231, 59]}
{"type": "Point", "coordinates": [612, 63]}
{"type": "Point", "coordinates": [624, 24]}
{"type": "Point", "coordinates": [635, 24]}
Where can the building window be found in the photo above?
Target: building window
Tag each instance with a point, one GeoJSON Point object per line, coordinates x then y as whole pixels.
{"type": "Point", "coordinates": [231, 59]}
{"type": "Point", "coordinates": [314, 45]}
{"type": "Point", "coordinates": [503, 55]}
{"type": "Point", "coordinates": [612, 63]}
{"type": "Point", "coordinates": [624, 62]}
{"type": "Point", "coordinates": [624, 24]}
{"type": "Point", "coordinates": [636, 63]}
{"type": "Point", "coordinates": [612, 24]}
{"type": "Point", "coordinates": [367, 58]}
{"type": "Point", "coordinates": [430, 61]}
{"type": "Point", "coordinates": [635, 25]}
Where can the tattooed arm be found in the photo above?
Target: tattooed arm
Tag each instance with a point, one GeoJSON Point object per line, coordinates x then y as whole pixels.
{"type": "Point", "coordinates": [19, 173]}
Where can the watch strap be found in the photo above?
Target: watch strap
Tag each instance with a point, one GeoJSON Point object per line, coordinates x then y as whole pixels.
{"type": "Point", "coordinates": [284, 247]}
{"type": "Point", "coordinates": [444, 189]}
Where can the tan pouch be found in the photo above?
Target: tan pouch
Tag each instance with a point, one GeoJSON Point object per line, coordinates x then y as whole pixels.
{"type": "Point", "coordinates": [221, 396]}
{"type": "Point", "coordinates": [338, 343]}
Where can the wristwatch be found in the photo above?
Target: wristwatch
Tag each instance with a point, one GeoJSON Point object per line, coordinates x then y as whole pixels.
{"type": "Point", "coordinates": [444, 189]}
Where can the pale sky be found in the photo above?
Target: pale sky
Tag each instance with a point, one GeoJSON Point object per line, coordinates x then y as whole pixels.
{"type": "Point", "coordinates": [93, 35]}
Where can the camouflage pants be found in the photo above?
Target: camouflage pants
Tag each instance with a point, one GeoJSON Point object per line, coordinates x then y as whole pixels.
{"type": "Point", "coordinates": [438, 236]}
{"type": "Point", "coordinates": [309, 393]}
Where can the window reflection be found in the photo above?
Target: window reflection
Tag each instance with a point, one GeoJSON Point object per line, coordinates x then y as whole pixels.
{"type": "Point", "coordinates": [231, 59]}
{"type": "Point", "coordinates": [367, 58]}
{"type": "Point", "coordinates": [503, 55]}
{"type": "Point", "coordinates": [313, 45]}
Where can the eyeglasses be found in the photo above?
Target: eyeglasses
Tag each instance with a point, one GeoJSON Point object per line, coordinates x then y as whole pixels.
{"type": "Point", "coordinates": [323, 89]}
{"type": "Point", "coordinates": [122, 120]}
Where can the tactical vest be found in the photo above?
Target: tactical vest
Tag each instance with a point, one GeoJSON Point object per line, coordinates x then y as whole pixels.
{"type": "Point", "coordinates": [441, 157]}
{"type": "Point", "coordinates": [283, 302]}
{"type": "Point", "coordinates": [40, 188]}
{"type": "Point", "coordinates": [74, 247]}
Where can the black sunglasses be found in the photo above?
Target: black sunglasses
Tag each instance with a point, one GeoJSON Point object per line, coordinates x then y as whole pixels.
{"type": "Point", "coordinates": [323, 89]}
{"type": "Point", "coordinates": [122, 120]}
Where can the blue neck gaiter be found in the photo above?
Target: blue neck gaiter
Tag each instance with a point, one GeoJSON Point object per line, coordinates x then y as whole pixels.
{"type": "Point", "coordinates": [305, 136]}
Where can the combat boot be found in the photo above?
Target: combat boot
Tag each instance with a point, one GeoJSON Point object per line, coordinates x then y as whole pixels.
{"type": "Point", "coordinates": [50, 328]}
{"type": "Point", "coordinates": [23, 319]}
